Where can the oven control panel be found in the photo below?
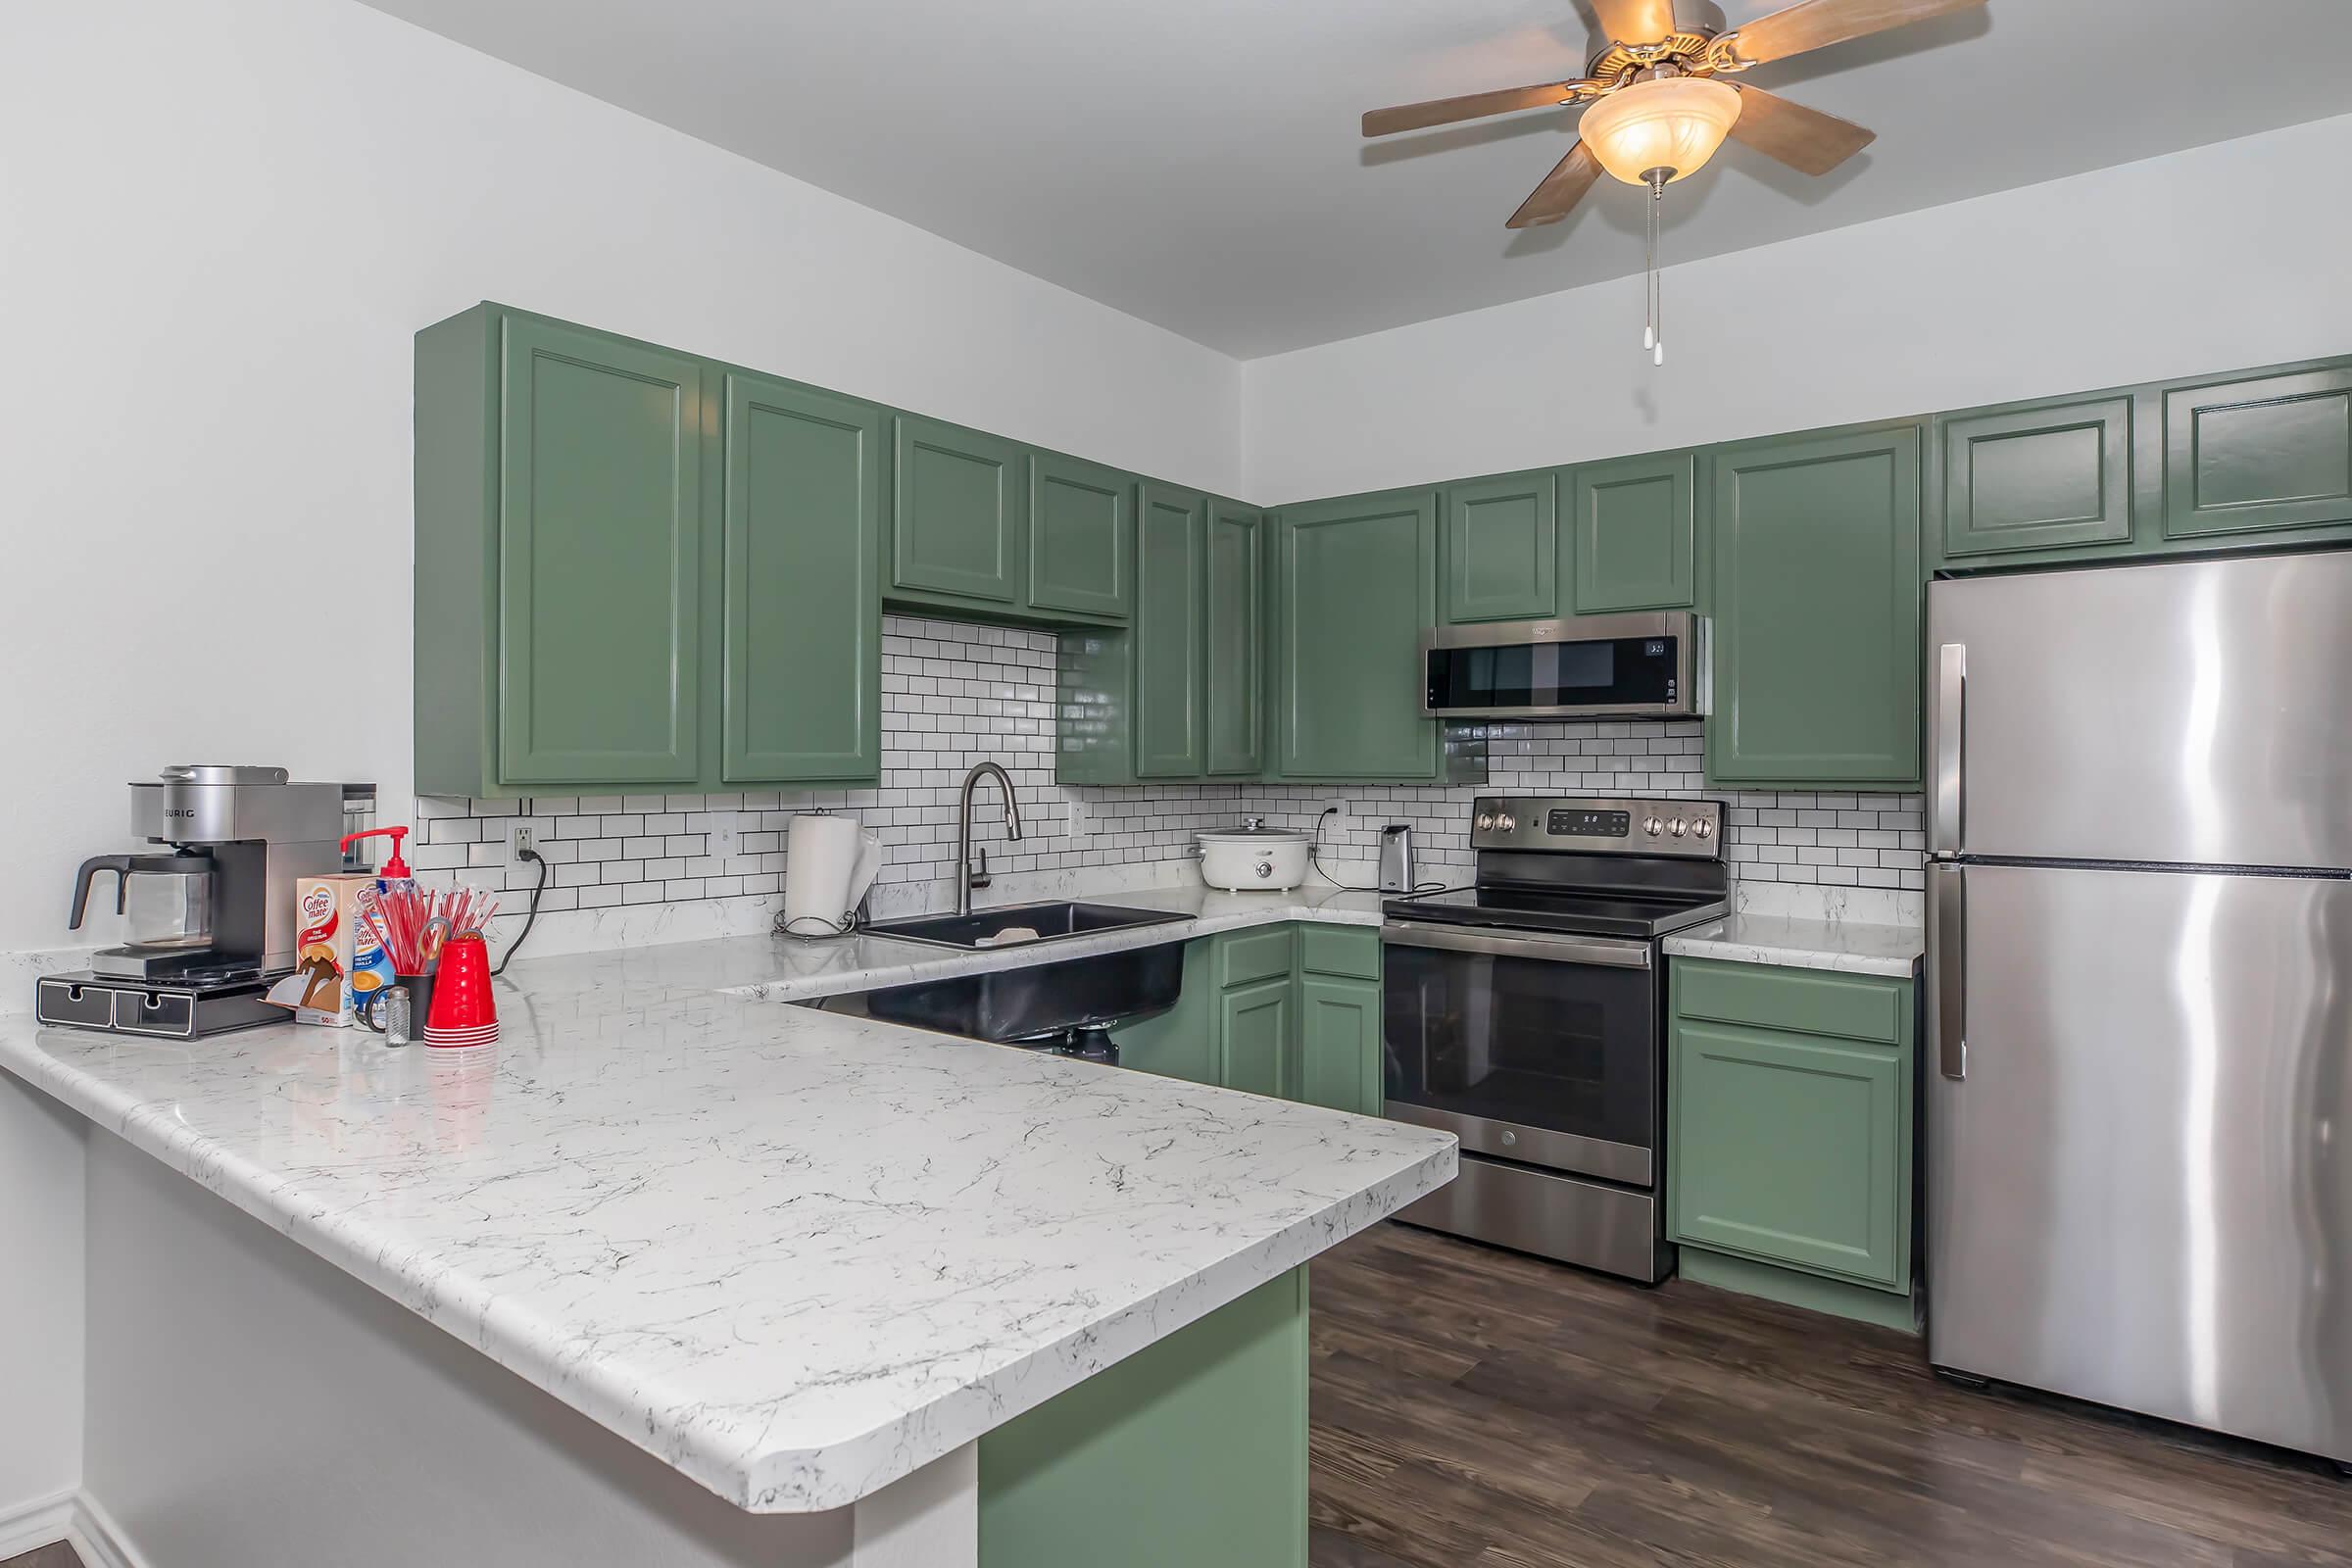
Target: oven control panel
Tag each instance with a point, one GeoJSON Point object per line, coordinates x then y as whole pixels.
{"type": "Point", "coordinates": [1691, 829]}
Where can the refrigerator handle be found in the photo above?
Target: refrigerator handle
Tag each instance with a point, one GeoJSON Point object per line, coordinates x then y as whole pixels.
{"type": "Point", "coordinates": [1951, 701]}
{"type": "Point", "coordinates": [1947, 958]}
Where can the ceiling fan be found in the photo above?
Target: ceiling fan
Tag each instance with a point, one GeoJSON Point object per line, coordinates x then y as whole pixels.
{"type": "Point", "coordinates": [1656, 106]}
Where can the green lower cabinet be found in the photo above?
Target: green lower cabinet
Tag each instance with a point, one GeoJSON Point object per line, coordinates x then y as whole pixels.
{"type": "Point", "coordinates": [1790, 1131]}
{"type": "Point", "coordinates": [1817, 603]}
{"type": "Point", "coordinates": [1635, 524]}
{"type": "Point", "coordinates": [1255, 1024]}
{"type": "Point", "coordinates": [1354, 584]}
{"type": "Point", "coordinates": [1339, 1044]}
{"type": "Point", "coordinates": [1191, 1451]}
{"type": "Point", "coordinates": [1502, 549]}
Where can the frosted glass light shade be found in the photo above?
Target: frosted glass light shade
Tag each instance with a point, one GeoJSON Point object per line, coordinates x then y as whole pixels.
{"type": "Point", "coordinates": [1672, 122]}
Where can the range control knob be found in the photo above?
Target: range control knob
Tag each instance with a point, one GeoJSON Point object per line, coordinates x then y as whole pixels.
{"type": "Point", "coordinates": [1677, 827]}
{"type": "Point", "coordinates": [1705, 827]}
{"type": "Point", "coordinates": [1653, 827]}
{"type": "Point", "coordinates": [1506, 821]}
{"type": "Point", "coordinates": [1486, 821]}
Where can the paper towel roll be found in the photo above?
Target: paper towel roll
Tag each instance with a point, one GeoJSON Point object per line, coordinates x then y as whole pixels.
{"type": "Point", "coordinates": [829, 862]}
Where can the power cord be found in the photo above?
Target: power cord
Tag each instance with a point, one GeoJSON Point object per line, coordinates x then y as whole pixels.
{"type": "Point", "coordinates": [1314, 862]}
{"type": "Point", "coordinates": [530, 915]}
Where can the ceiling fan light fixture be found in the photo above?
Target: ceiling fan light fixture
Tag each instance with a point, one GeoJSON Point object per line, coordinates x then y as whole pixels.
{"type": "Point", "coordinates": [1669, 123]}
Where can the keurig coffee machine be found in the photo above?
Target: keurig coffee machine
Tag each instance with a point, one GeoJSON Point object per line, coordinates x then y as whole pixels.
{"type": "Point", "coordinates": [209, 918]}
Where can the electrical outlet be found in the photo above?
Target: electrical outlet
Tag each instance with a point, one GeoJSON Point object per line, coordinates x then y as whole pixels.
{"type": "Point", "coordinates": [726, 834]}
{"type": "Point", "coordinates": [1338, 822]}
{"type": "Point", "coordinates": [1078, 820]}
{"type": "Point", "coordinates": [521, 839]}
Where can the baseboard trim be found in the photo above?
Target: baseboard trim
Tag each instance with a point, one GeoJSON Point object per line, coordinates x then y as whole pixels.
{"type": "Point", "coordinates": [42, 1522]}
{"type": "Point", "coordinates": [75, 1518]}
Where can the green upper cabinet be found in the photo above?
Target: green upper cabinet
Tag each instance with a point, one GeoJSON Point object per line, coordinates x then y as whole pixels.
{"type": "Point", "coordinates": [1817, 610]}
{"type": "Point", "coordinates": [959, 515]}
{"type": "Point", "coordinates": [599, 559]}
{"type": "Point", "coordinates": [638, 569]}
{"type": "Point", "coordinates": [802, 666]}
{"type": "Point", "coordinates": [1502, 549]}
{"type": "Point", "coordinates": [2051, 476]}
{"type": "Point", "coordinates": [1635, 524]}
{"type": "Point", "coordinates": [1354, 586]}
{"type": "Point", "coordinates": [1170, 624]}
{"type": "Point", "coordinates": [2256, 456]}
{"type": "Point", "coordinates": [1080, 533]}
{"type": "Point", "coordinates": [1236, 637]}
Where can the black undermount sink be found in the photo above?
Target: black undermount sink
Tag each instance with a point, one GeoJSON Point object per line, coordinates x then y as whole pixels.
{"type": "Point", "coordinates": [1068, 997]}
{"type": "Point", "coordinates": [1049, 921]}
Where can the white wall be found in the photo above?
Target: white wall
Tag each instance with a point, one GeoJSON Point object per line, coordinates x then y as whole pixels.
{"type": "Point", "coordinates": [220, 224]}
{"type": "Point", "coordinates": [2209, 260]}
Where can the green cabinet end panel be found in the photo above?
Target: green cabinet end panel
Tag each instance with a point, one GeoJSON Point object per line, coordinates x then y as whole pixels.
{"type": "Point", "coordinates": [1502, 549]}
{"type": "Point", "coordinates": [599, 559]}
{"type": "Point", "coordinates": [1081, 530]}
{"type": "Point", "coordinates": [2038, 478]}
{"type": "Point", "coordinates": [1254, 1032]}
{"type": "Point", "coordinates": [1635, 526]}
{"type": "Point", "coordinates": [455, 647]}
{"type": "Point", "coordinates": [1182, 1042]}
{"type": "Point", "coordinates": [1356, 585]}
{"type": "Point", "coordinates": [1817, 596]}
{"type": "Point", "coordinates": [1236, 638]}
{"type": "Point", "coordinates": [802, 687]}
{"type": "Point", "coordinates": [1169, 718]}
{"type": "Point", "coordinates": [1191, 1451]}
{"type": "Point", "coordinates": [2251, 456]}
{"type": "Point", "coordinates": [956, 512]}
{"type": "Point", "coordinates": [1339, 1044]}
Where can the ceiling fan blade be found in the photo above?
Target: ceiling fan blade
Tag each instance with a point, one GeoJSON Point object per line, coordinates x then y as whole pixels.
{"type": "Point", "coordinates": [1805, 140]}
{"type": "Point", "coordinates": [1474, 106]}
{"type": "Point", "coordinates": [1817, 24]}
{"type": "Point", "coordinates": [1634, 21]}
{"type": "Point", "coordinates": [1562, 189]}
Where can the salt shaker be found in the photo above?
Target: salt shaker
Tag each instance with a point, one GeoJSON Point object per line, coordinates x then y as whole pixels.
{"type": "Point", "coordinates": [398, 1023]}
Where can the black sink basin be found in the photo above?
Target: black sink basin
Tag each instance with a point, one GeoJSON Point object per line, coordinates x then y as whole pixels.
{"type": "Point", "coordinates": [1049, 921]}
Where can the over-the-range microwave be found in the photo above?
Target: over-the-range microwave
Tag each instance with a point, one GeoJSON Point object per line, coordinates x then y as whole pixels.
{"type": "Point", "coordinates": [1651, 664]}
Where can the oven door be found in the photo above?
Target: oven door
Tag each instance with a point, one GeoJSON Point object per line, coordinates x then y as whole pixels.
{"type": "Point", "coordinates": [1529, 1047]}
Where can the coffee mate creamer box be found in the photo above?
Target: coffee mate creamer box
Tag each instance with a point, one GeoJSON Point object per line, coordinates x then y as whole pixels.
{"type": "Point", "coordinates": [342, 964]}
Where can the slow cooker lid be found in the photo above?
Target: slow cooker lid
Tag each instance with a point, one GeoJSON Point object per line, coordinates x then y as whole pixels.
{"type": "Point", "coordinates": [1253, 830]}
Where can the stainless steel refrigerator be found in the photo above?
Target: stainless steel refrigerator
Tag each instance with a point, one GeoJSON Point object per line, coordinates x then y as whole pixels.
{"type": "Point", "coordinates": [2139, 1079]}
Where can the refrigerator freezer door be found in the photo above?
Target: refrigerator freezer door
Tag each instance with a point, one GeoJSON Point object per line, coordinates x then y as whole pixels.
{"type": "Point", "coordinates": [2141, 1192]}
{"type": "Point", "coordinates": [2187, 712]}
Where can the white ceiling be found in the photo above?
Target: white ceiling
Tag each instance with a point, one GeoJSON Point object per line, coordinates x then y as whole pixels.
{"type": "Point", "coordinates": [1199, 165]}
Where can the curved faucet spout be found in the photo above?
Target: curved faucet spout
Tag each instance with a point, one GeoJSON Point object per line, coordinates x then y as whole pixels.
{"type": "Point", "coordinates": [965, 881]}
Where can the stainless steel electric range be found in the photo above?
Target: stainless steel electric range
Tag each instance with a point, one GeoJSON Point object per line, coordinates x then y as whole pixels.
{"type": "Point", "coordinates": [1527, 1015]}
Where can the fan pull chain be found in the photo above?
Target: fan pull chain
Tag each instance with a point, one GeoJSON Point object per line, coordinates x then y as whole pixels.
{"type": "Point", "coordinates": [1653, 295]}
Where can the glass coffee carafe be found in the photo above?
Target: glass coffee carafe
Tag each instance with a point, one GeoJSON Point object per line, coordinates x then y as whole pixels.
{"type": "Point", "coordinates": [166, 901]}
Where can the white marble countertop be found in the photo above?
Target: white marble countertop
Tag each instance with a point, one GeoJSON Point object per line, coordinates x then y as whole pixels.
{"type": "Point", "coordinates": [795, 1256]}
{"type": "Point", "coordinates": [1847, 946]}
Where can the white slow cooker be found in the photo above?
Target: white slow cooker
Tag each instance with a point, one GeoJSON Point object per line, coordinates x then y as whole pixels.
{"type": "Point", "coordinates": [1253, 857]}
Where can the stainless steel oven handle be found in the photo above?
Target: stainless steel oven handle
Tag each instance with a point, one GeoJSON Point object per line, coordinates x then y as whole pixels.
{"type": "Point", "coordinates": [1521, 944]}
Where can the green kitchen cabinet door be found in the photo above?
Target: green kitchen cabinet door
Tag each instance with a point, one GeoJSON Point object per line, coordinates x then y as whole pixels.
{"type": "Point", "coordinates": [1339, 1044]}
{"type": "Point", "coordinates": [1355, 583]}
{"type": "Point", "coordinates": [957, 514]}
{"type": "Point", "coordinates": [1254, 1035]}
{"type": "Point", "coordinates": [1182, 1042]}
{"type": "Point", "coordinates": [1081, 533]}
{"type": "Point", "coordinates": [1171, 577]}
{"type": "Point", "coordinates": [1502, 549]}
{"type": "Point", "coordinates": [599, 559]}
{"type": "Point", "coordinates": [1236, 637]}
{"type": "Point", "coordinates": [1635, 524]}
{"type": "Point", "coordinates": [1791, 1150]}
{"type": "Point", "coordinates": [800, 694]}
{"type": "Point", "coordinates": [2051, 476]}
{"type": "Point", "coordinates": [2252, 456]}
{"type": "Point", "coordinates": [1817, 610]}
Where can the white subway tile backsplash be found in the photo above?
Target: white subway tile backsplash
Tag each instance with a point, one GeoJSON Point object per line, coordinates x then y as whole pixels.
{"type": "Point", "coordinates": [953, 694]}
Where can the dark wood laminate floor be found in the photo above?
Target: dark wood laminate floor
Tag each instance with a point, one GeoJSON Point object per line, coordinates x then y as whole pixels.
{"type": "Point", "coordinates": [59, 1555]}
{"type": "Point", "coordinates": [1473, 1408]}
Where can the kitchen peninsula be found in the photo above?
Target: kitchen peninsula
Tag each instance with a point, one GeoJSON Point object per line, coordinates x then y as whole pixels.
{"type": "Point", "coordinates": [767, 1285]}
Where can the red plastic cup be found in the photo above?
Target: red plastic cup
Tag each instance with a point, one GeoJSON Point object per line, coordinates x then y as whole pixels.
{"type": "Point", "coordinates": [463, 1013]}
